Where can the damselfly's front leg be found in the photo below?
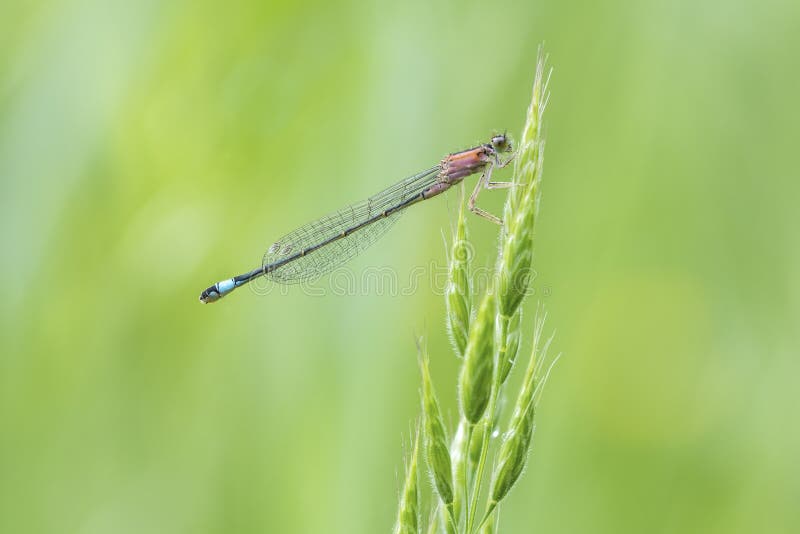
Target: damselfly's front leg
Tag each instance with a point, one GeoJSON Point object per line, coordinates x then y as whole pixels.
{"type": "Point", "coordinates": [483, 182]}
{"type": "Point", "coordinates": [500, 164]}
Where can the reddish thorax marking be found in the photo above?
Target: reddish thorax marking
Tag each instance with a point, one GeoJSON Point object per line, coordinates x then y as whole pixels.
{"type": "Point", "coordinates": [458, 166]}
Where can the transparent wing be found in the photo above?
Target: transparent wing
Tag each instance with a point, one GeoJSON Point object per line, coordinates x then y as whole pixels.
{"type": "Point", "coordinates": [328, 257]}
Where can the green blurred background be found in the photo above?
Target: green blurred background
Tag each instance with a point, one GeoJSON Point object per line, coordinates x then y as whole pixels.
{"type": "Point", "coordinates": [149, 149]}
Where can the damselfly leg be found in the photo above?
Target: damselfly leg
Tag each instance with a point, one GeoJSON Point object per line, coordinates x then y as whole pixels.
{"type": "Point", "coordinates": [485, 182]}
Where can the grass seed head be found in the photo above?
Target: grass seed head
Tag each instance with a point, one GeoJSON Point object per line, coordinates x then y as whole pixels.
{"type": "Point", "coordinates": [458, 292]}
{"type": "Point", "coordinates": [435, 437]}
{"type": "Point", "coordinates": [408, 512]}
{"type": "Point", "coordinates": [513, 455]}
{"type": "Point", "coordinates": [475, 382]}
{"type": "Point", "coordinates": [522, 206]}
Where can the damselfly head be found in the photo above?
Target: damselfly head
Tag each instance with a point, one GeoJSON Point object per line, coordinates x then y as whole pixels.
{"type": "Point", "coordinates": [501, 143]}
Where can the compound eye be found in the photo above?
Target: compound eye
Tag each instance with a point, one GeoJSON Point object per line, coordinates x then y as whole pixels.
{"type": "Point", "coordinates": [500, 143]}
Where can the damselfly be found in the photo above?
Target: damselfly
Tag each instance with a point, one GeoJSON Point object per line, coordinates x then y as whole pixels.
{"type": "Point", "coordinates": [322, 245]}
